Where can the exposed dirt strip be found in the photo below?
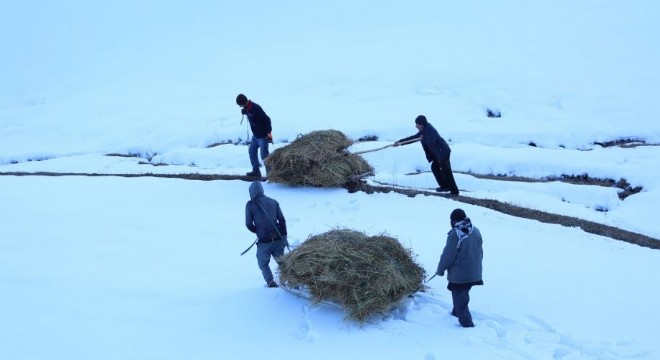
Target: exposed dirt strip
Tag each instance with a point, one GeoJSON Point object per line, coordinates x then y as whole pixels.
{"type": "Point", "coordinates": [513, 210]}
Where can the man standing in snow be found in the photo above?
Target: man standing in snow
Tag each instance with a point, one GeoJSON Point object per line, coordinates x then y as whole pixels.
{"type": "Point", "coordinates": [437, 153]}
{"type": "Point", "coordinates": [462, 259]}
{"type": "Point", "coordinates": [264, 217]}
{"type": "Point", "coordinates": [261, 131]}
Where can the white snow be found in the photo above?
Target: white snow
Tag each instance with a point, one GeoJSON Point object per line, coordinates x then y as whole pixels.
{"type": "Point", "coordinates": [149, 268]}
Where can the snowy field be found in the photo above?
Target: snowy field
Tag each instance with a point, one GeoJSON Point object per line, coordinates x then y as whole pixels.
{"type": "Point", "coordinates": [149, 268]}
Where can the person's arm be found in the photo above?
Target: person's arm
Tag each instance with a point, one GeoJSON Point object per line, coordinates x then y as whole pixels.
{"type": "Point", "coordinates": [249, 219]}
{"type": "Point", "coordinates": [281, 222]}
{"type": "Point", "coordinates": [448, 253]}
{"type": "Point", "coordinates": [409, 140]}
{"type": "Point", "coordinates": [263, 118]}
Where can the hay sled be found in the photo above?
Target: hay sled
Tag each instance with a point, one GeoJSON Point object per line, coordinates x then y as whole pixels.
{"type": "Point", "coordinates": [304, 293]}
{"type": "Point", "coordinates": [363, 275]}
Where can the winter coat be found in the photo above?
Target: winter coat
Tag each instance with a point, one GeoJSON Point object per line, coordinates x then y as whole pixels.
{"type": "Point", "coordinates": [259, 121]}
{"type": "Point", "coordinates": [261, 213]}
{"type": "Point", "coordinates": [435, 147]}
{"type": "Point", "coordinates": [462, 261]}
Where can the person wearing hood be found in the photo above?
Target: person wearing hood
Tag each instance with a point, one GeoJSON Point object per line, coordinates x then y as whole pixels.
{"type": "Point", "coordinates": [264, 217]}
{"type": "Point", "coordinates": [437, 153]}
{"type": "Point", "coordinates": [462, 259]}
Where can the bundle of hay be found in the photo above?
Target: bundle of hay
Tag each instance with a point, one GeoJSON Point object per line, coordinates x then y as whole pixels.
{"type": "Point", "coordinates": [365, 275]}
{"type": "Point", "coordinates": [319, 158]}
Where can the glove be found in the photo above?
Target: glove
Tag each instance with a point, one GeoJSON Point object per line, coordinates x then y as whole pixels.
{"type": "Point", "coordinates": [243, 111]}
{"type": "Point", "coordinates": [270, 138]}
{"type": "Point", "coordinates": [442, 273]}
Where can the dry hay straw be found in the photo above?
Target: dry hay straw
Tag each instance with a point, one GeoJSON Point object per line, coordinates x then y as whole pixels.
{"type": "Point", "coordinates": [319, 159]}
{"type": "Point", "coordinates": [365, 275]}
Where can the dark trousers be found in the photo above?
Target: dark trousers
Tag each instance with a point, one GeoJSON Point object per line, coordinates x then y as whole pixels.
{"type": "Point", "coordinates": [442, 171]}
{"type": "Point", "coordinates": [461, 298]}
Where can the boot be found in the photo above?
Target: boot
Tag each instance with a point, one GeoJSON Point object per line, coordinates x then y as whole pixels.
{"type": "Point", "coordinates": [256, 173]}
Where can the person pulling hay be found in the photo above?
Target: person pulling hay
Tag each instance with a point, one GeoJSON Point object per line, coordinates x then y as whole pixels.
{"type": "Point", "coordinates": [364, 275]}
{"type": "Point", "coordinates": [318, 158]}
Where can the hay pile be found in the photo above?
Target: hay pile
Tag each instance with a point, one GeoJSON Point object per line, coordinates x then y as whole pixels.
{"type": "Point", "coordinates": [365, 275]}
{"type": "Point", "coordinates": [316, 159]}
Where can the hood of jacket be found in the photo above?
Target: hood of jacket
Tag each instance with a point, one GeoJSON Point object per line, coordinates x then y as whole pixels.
{"type": "Point", "coordinates": [256, 189]}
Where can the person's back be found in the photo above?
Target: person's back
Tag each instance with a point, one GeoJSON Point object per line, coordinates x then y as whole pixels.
{"type": "Point", "coordinates": [467, 266]}
{"type": "Point", "coordinates": [264, 217]}
{"type": "Point", "coordinates": [259, 122]}
{"type": "Point", "coordinates": [462, 258]}
{"type": "Point", "coordinates": [434, 143]}
{"type": "Point", "coordinates": [262, 213]}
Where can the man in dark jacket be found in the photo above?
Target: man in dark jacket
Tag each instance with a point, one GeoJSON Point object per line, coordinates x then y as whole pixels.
{"type": "Point", "coordinates": [261, 132]}
{"type": "Point", "coordinates": [264, 217]}
{"type": "Point", "coordinates": [437, 153]}
{"type": "Point", "coordinates": [462, 259]}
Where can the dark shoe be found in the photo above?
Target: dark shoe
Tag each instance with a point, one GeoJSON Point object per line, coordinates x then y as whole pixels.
{"type": "Point", "coordinates": [272, 284]}
{"type": "Point", "coordinates": [256, 173]}
{"type": "Point", "coordinates": [442, 189]}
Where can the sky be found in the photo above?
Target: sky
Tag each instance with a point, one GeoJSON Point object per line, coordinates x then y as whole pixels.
{"type": "Point", "coordinates": [150, 268]}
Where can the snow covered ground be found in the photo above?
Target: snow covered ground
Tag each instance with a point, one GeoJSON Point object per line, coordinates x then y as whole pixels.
{"type": "Point", "coordinates": [149, 268]}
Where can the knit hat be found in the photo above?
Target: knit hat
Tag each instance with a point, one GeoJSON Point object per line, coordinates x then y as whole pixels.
{"type": "Point", "coordinates": [241, 100]}
{"type": "Point", "coordinates": [456, 216]}
{"type": "Point", "coordinates": [421, 120]}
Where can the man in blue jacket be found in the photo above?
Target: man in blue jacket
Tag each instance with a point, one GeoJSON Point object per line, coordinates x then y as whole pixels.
{"type": "Point", "coordinates": [264, 217]}
{"type": "Point", "coordinates": [462, 259]}
{"type": "Point", "coordinates": [261, 132]}
{"type": "Point", "coordinates": [437, 153]}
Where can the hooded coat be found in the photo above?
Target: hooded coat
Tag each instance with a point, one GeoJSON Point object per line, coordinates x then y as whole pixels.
{"type": "Point", "coordinates": [263, 215]}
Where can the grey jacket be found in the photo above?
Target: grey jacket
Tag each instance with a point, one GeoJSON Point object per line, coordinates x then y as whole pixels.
{"type": "Point", "coordinates": [464, 262]}
{"type": "Point", "coordinates": [261, 212]}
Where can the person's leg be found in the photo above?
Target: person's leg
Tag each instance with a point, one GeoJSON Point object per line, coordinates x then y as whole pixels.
{"type": "Point", "coordinates": [278, 250]}
{"type": "Point", "coordinates": [252, 151]}
{"type": "Point", "coordinates": [263, 259]}
{"type": "Point", "coordinates": [263, 150]}
{"type": "Point", "coordinates": [263, 147]}
{"type": "Point", "coordinates": [437, 173]}
{"type": "Point", "coordinates": [448, 176]}
{"type": "Point", "coordinates": [461, 298]}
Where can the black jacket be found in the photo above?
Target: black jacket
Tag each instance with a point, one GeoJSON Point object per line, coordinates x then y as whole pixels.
{"type": "Point", "coordinates": [435, 147]}
{"type": "Point", "coordinates": [259, 121]}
